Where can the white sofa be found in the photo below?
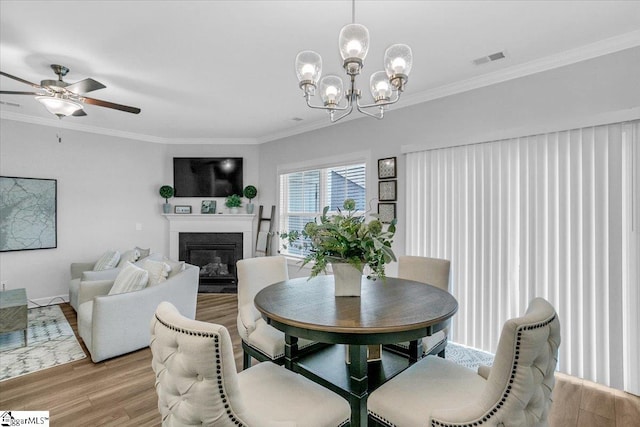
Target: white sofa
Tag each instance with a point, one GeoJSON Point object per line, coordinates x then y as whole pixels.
{"type": "Point", "coordinates": [111, 325]}
{"type": "Point", "coordinates": [83, 271]}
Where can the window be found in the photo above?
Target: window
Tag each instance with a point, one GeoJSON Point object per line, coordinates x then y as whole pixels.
{"type": "Point", "coordinates": [304, 194]}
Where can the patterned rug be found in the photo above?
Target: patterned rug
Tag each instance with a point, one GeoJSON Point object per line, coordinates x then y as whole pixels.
{"type": "Point", "coordinates": [467, 356]}
{"type": "Point", "coordinates": [51, 342]}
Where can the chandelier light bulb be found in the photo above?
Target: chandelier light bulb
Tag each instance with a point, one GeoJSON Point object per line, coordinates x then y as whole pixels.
{"type": "Point", "coordinates": [331, 90]}
{"type": "Point", "coordinates": [398, 65]}
{"type": "Point", "coordinates": [381, 89]}
{"type": "Point", "coordinates": [354, 42]}
{"type": "Point", "coordinates": [308, 70]}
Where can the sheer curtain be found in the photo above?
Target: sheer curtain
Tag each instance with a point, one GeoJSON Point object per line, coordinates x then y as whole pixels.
{"type": "Point", "coordinates": [549, 215]}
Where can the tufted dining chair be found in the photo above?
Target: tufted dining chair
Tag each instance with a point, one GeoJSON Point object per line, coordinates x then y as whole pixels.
{"type": "Point", "coordinates": [260, 340]}
{"type": "Point", "coordinates": [516, 391]}
{"type": "Point", "coordinates": [434, 271]}
{"type": "Point", "coordinates": [197, 383]}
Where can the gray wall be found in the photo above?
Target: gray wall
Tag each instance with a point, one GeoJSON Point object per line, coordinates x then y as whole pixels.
{"type": "Point", "coordinates": [107, 185]}
{"type": "Point", "coordinates": [587, 93]}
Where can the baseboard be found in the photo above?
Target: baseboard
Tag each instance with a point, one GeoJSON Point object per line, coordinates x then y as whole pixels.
{"type": "Point", "coordinates": [39, 302]}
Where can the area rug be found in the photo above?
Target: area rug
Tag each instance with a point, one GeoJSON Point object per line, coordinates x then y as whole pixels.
{"type": "Point", "coordinates": [51, 342]}
{"type": "Point", "coordinates": [467, 356]}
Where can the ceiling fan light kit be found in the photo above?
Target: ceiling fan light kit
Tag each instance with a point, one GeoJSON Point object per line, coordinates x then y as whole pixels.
{"type": "Point", "coordinates": [64, 99]}
{"type": "Point", "coordinates": [353, 43]}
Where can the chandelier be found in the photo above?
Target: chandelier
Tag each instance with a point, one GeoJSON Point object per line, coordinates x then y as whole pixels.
{"type": "Point", "coordinates": [353, 42]}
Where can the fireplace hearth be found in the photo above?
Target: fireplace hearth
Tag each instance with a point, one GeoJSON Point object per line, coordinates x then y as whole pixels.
{"type": "Point", "coordinates": [216, 254]}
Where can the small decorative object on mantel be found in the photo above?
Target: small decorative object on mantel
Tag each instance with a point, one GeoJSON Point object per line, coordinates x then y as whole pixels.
{"type": "Point", "coordinates": [250, 192]}
{"type": "Point", "coordinates": [347, 243]}
{"type": "Point", "coordinates": [208, 207]}
{"type": "Point", "coordinates": [182, 209]}
{"type": "Point", "coordinates": [166, 192]}
{"type": "Point", "coordinates": [233, 202]}
{"type": "Point", "coordinates": [387, 168]}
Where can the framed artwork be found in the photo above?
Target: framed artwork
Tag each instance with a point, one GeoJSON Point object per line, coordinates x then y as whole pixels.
{"type": "Point", "coordinates": [387, 190]}
{"type": "Point", "coordinates": [387, 168]}
{"type": "Point", "coordinates": [208, 207]}
{"type": "Point", "coordinates": [29, 214]}
{"type": "Point", "coordinates": [182, 209]}
{"type": "Point", "coordinates": [386, 212]}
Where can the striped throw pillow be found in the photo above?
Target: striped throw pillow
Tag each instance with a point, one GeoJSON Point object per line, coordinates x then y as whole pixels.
{"type": "Point", "coordinates": [158, 271]}
{"type": "Point", "coordinates": [130, 279]}
{"type": "Point", "coordinates": [108, 260]}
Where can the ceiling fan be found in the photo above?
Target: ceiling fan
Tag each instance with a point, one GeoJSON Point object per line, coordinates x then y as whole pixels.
{"type": "Point", "coordinates": [65, 99]}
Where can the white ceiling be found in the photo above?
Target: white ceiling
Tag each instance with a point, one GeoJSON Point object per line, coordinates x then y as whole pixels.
{"type": "Point", "coordinates": [222, 71]}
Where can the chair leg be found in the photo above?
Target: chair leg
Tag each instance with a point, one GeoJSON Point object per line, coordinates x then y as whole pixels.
{"type": "Point", "coordinates": [246, 360]}
{"type": "Point", "coordinates": [441, 354]}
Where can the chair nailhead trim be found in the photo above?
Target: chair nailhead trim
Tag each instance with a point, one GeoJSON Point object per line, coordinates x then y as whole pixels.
{"type": "Point", "coordinates": [216, 345]}
{"type": "Point", "coordinates": [494, 410]}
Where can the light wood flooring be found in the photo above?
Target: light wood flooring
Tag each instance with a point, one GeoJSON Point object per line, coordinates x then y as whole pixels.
{"type": "Point", "coordinates": [120, 391]}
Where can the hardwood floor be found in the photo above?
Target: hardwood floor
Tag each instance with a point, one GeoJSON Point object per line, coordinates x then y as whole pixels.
{"type": "Point", "coordinates": [120, 391]}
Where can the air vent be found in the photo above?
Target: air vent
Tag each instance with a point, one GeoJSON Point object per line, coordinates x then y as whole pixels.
{"type": "Point", "coordinates": [10, 104]}
{"type": "Point", "coordinates": [489, 58]}
{"type": "Point", "coordinates": [297, 119]}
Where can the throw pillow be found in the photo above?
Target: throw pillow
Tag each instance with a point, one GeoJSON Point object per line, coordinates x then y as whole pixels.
{"type": "Point", "coordinates": [131, 255]}
{"type": "Point", "coordinates": [108, 260]}
{"type": "Point", "coordinates": [175, 266]}
{"type": "Point", "coordinates": [158, 271]}
{"type": "Point", "coordinates": [143, 252]}
{"type": "Point", "coordinates": [130, 279]}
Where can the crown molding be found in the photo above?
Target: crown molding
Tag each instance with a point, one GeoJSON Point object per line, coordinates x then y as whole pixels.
{"type": "Point", "coordinates": [583, 53]}
{"type": "Point", "coordinates": [60, 124]}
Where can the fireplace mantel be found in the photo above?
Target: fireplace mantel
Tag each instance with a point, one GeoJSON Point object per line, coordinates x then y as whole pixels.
{"type": "Point", "coordinates": [210, 223]}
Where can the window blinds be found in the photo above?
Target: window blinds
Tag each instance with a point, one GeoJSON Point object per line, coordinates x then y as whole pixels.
{"type": "Point", "coordinates": [548, 215]}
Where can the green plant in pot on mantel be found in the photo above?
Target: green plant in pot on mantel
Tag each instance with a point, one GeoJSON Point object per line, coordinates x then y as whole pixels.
{"type": "Point", "coordinates": [166, 192]}
{"type": "Point", "coordinates": [233, 202]}
{"type": "Point", "coordinates": [348, 243]}
{"type": "Point", "coordinates": [250, 192]}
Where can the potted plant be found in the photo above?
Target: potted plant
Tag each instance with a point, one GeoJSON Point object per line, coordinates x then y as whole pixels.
{"type": "Point", "coordinates": [250, 192]}
{"type": "Point", "coordinates": [348, 243]}
{"type": "Point", "coordinates": [233, 202]}
{"type": "Point", "coordinates": [166, 192]}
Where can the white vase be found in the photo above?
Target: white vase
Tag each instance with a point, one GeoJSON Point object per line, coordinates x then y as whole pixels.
{"type": "Point", "coordinates": [235, 210]}
{"type": "Point", "coordinates": [347, 279]}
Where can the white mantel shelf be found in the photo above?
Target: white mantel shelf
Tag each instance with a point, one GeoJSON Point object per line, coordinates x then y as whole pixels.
{"type": "Point", "coordinates": [210, 223]}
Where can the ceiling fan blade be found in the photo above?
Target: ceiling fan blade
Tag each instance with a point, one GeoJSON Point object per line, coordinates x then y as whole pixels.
{"type": "Point", "coordinates": [107, 104]}
{"type": "Point", "coordinates": [84, 86]}
{"type": "Point", "coordinates": [20, 80]}
{"type": "Point", "coordinates": [12, 92]}
{"type": "Point", "coordinates": [79, 113]}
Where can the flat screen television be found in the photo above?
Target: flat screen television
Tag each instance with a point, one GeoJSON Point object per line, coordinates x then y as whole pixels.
{"type": "Point", "coordinates": [207, 176]}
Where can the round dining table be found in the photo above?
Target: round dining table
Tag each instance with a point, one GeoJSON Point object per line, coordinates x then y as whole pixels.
{"type": "Point", "coordinates": [389, 311]}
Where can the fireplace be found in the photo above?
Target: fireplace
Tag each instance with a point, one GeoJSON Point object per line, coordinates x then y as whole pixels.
{"type": "Point", "coordinates": [216, 255]}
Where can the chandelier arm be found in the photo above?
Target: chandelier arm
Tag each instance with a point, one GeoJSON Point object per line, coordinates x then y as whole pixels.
{"type": "Point", "coordinates": [378, 116]}
{"type": "Point", "coordinates": [342, 116]}
{"type": "Point", "coordinates": [322, 107]}
{"type": "Point", "coordinates": [380, 104]}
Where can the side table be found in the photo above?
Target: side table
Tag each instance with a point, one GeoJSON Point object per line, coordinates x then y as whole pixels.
{"type": "Point", "coordinates": [13, 311]}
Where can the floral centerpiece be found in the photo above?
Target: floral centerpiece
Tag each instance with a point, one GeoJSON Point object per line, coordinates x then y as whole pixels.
{"type": "Point", "coordinates": [345, 238]}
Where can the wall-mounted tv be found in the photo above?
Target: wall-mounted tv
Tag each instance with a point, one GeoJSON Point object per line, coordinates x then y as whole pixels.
{"type": "Point", "coordinates": [207, 176]}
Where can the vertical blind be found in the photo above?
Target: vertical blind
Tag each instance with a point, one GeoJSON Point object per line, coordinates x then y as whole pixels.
{"type": "Point", "coordinates": [550, 215]}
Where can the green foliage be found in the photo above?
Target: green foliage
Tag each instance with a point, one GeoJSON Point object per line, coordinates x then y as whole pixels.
{"type": "Point", "coordinates": [233, 201]}
{"type": "Point", "coordinates": [250, 192]}
{"type": "Point", "coordinates": [166, 192]}
{"type": "Point", "coordinates": [345, 237]}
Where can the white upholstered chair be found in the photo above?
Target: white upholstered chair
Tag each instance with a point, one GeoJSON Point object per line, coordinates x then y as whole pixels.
{"type": "Point", "coordinates": [260, 340]}
{"type": "Point", "coordinates": [197, 383]}
{"type": "Point", "coordinates": [516, 391]}
{"type": "Point", "coordinates": [434, 271]}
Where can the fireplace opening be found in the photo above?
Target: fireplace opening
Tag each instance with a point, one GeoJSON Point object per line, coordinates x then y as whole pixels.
{"type": "Point", "coordinates": [216, 254]}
